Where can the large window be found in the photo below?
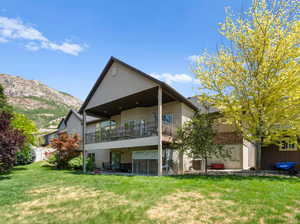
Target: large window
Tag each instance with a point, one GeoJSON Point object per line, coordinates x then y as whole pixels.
{"type": "Point", "coordinates": [167, 118]}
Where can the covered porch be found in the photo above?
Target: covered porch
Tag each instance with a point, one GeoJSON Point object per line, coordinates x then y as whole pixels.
{"type": "Point", "coordinates": [138, 161]}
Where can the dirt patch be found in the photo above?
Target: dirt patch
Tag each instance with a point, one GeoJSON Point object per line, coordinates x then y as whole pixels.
{"type": "Point", "coordinates": [64, 203]}
{"type": "Point", "coordinates": [192, 208]}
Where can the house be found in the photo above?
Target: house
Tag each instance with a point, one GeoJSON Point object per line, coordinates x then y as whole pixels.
{"type": "Point", "coordinates": [72, 123]}
{"type": "Point", "coordinates": [138, 116]}
{"type": "Point", "coordinates": [285, 153]}
{"type": "Point", "coordinates": [47, 138]}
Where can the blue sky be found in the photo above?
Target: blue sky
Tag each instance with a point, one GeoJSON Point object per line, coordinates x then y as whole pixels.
{"type": "Point", "coordinates": [66, 44]}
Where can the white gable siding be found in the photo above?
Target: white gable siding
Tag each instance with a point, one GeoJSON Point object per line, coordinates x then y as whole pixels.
{"type": "Point", "coordinates": [119, 82]}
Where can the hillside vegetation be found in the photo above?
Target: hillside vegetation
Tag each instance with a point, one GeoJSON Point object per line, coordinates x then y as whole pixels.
{"type": "Point", "coordinates": [42, 104]}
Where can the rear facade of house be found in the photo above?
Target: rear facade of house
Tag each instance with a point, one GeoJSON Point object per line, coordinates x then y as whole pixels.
{"type": "Point", "coordinates": [131, 118]}
{"type": "Point", "coordinates": [138, 117]}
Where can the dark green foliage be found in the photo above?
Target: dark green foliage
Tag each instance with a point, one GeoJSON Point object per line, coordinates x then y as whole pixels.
{"type": "Point", "coordinates": [43, 116]}
{"type": "Point", "coordinates": [25, 156]}
{"type": "Point", "coordinates": [90, 163]}
{"type": "Point", "coordinates": [3, 101]}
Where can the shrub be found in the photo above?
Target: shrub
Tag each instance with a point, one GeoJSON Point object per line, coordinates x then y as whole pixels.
{"type": "Point", "coordinates": [90, 164]}
{"type": "Point", "coordinates": [11, 140]}
{"type": "Point", "coordinates": [67, 148]}
{"type": "Point", "coordinates": [75, 163]}
{"type": "Point", "coordinates": [52, 158]}
{"type": "Point", "coordinates": [25, 156]}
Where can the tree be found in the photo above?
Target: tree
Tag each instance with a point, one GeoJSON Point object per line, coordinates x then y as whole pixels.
{"type": "Point", "coordinates": [26, 126]}
{"type": "Point", "coordinates": [11, 140]}
{"type": "Point", "coordinates": [67, 148]}
{"type": "Point", "coordinates": [255, 82]}
{"type": "Point", "coordinates": [4, 106]}
{"type": "Point", "coordinates": [197, 139]}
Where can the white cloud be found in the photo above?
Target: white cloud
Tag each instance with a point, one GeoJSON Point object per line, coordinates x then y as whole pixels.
{"type": "Point", "coordinates": [32, 46]}
{"type": "Point", "coordinates": [175, 78]}
{"type": "Point", "coordinates": [15, 29]}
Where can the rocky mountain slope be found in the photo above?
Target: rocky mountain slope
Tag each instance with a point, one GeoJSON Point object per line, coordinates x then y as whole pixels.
{"type": "Point", "coordinates": [42, 104]}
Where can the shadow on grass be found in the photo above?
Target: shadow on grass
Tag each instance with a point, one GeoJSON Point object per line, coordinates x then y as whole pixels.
{"type": "Point", "coordinates": [16, 168]}
{"type": "Point", "coordinates": [236, 177]}
{"type": "Point", "coordinates": [7, 175]}
{"type": "Point", "coordinates": [4, 177]}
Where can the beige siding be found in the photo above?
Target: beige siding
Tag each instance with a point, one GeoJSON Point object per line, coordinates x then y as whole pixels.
{"type": "Point", "coordinates": [147, 113]}
{"type": "Point", "coordinates": [91, 127]}
{"type": "Point", "coordinates": [101, 156]}
{"type": "Point", "coordinates": [119, 82]}
{"type": "Point", "coordinates": [187, 113]}
{"type": "Point", "coordinates": [173, 108]}
{"type": "Point", "coordinates": [236, 160]}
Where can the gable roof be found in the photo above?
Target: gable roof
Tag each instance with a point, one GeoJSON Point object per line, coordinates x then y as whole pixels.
{"type": "Point", "coordinates": [158, 82]}
{"type": "Point", "coordinates": [89, 119]}
{"type": "Point", "coordinates": [201, 107]}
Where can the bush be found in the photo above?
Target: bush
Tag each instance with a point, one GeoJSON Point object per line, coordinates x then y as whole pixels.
{"type": "Point", "coordinates": [11, 140]}
{"type": "Point", "coordinates": [25, 156]}
{"type": "Point", "coordinates": [75, 163]}
{"type": "Point", "coordinates": [67, 148]}
{"type": "Point", "coordinates": [52, 159]}
{"type": "Point", "coordinates": [90, 164]}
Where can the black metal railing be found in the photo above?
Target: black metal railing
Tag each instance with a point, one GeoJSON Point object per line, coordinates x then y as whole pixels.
{"type": "Point", "coordinates": [140, 130]}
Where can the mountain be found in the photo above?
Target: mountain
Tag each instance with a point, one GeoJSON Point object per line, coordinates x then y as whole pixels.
{"type": "Point", "coordinates": [42, 104]}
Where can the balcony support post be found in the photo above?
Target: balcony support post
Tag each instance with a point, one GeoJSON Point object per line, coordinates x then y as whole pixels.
{"type": "Point", "coordinates": [84, 141]}
{"type": "Point", "coordinates": [159, 130]}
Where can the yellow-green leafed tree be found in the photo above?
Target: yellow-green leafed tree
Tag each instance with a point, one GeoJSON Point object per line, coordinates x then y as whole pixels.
{"type": "Point", "coordinates": [254, 79]}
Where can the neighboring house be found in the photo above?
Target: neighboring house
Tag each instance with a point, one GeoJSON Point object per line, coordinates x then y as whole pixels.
{"type": "Point", "coordinates": [72, 123]}
{"type": "Point", "coordinates": [284, 153]}
{"type": "Point", "coordinates": [138, 117]}
{"type": "Point", "coordinates": [48, 138]}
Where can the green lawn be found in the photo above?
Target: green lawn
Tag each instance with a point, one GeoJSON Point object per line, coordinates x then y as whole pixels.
{"type": "Point", "coordinates": [37, 194]}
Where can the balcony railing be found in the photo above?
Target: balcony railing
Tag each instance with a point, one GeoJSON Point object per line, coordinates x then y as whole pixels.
{"type": "Point", "coordinates": [140, 130]}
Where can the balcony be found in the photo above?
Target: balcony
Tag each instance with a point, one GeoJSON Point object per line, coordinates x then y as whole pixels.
{"type": "Point", "coordinates": [140, 130]}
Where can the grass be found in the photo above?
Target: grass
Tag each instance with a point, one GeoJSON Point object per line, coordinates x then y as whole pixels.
{"type": "Point", "coordinates": [38, 194]}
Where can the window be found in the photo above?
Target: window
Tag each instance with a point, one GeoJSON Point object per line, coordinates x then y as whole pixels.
{"type": "Point", "coordinates": [285, 146]}
{"type": "Point", "coordinates": [167, 118]}
{"type": "Point", "coordinates": [105, 125]}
